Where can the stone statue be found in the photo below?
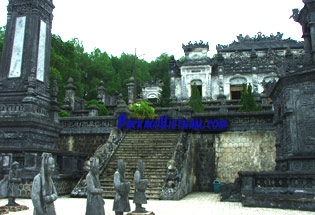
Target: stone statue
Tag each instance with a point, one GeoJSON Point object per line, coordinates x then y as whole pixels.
{"type": "Point", "coordinates": [172, 177]}
{"type": "Point", "coordinates": [43, 190]}
{"type": "Point", "coordinates": [121, 201]}
{"type": "Point", "coordinates": [306, 17]}
{"type": "Point", "coordinates": [94, 202]}
{"type": "Point", "coordinates": [13, 183]}
{"type": "Point", "coordinates": [140, 187]}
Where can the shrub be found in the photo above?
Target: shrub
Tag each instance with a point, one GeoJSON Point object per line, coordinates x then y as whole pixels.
{"type": "Point", "coordinates": [63, 113]}
{"type": "Point", "coordinates": [195, 101]}
{"type": "Point", "coordinates": [102, 110]}
{"type": "Point", "coordinates": [248, 100]}
{"type": "Point", "coordinates": [142, 110]}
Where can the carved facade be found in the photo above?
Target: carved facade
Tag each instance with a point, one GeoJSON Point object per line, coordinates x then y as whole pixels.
{"type": "Point", "coordinates": [253, 60]}
{"type": "Point", "coordinates": [151, 90]}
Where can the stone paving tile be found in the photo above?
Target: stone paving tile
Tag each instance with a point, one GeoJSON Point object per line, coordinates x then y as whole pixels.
{"type": "Point", "coordinates": [194, 203]}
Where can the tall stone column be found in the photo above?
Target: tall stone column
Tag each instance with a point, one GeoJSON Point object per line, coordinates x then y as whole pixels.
{"type": "Point", "coordinates": [131, 91]}
{"type": "Point", "coordinates": [28, 124]}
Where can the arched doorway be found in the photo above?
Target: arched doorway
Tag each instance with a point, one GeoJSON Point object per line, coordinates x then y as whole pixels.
{"type": "Point", "coordinates": [198, 83]}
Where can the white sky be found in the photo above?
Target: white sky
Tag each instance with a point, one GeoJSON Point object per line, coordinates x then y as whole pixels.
{"type": "Point", "coordinates": [157, 26]}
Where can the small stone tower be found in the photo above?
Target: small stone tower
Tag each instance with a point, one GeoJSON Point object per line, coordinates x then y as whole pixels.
{"type": "Point", "coordinates": [28, 113]}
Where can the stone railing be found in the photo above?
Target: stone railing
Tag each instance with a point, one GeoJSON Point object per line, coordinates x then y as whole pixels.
{"type": "Point", "coordinates": [286, 182]}
{"type": "Point", "coordinates": [87, 125]}
{"type": "Point", "coordinates": [103, 153]}
{"type": "Point", "coordinates": [177, 183]}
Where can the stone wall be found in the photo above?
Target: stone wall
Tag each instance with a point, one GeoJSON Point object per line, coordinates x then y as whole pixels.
{"type": "Point", "coordinates": [84, 143]}
{"type": "Point", "coordinates": [204, 161]}
{"type": "Point", "coordinates": [244, 151]}
{"type": "Point", "coordinates": [63, 187]}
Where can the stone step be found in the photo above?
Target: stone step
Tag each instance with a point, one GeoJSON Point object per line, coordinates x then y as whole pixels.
{"type": "Point", "coordinates": [154, 148]}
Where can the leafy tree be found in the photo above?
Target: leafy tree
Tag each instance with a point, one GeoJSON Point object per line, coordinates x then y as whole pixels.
{"type": "Point", "coordinates": [64, 64]}
{"type": "Point", "coordinates": [182, 58]}
{"type": "Point", "coordinates": [68, 59]}
{"type": "Point", "coordinates": [142, 110]}
{"type": "Point", "coordinates": [165, 100]}
{"type": "Point", "coordinates": [195, 101]}
{"type": "Point", "coordinates": [102, 110]}
{"type": "Point", "coordinates": [159, 67]}
{"type": "Point", "coordinates": [2, 34]}
{"type": "Point", "coordinates": [248, 100]}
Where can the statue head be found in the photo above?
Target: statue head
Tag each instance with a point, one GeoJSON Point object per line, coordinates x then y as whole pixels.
{"type": "Point", "coordinates": [94, 166]}
{"type": "Point", "coordinates": [114, 135]}
{"type": "Point", "coordinates": [15, 165]}
{"type": "Point", "coordinates": [48, 164]}
{"type": "Point", "coordinates": [121, 167]}
{"type": "Point", "coordinates": [141, 167]}
{"type": "Point", "coordinates": [171, 164]}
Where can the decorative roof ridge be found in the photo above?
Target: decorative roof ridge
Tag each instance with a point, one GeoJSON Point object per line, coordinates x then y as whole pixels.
{"type": "Point", "coordinates": [191, 45]}
{"type": "Point", "coordinates": [259, 38]}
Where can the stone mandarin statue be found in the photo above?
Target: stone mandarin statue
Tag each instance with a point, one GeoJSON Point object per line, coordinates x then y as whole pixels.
{"type": "Point", "coordinates": [13, 183]}
{"type": "Point", "coordinates": [140, 188]}
{"type": "Point", "coordinates": [306, 17]}
{"type": "Point", "coordinates": [94, 201]}
{"type": "Point", "coordinates": [122, 188]}
{"type": "Point", "coordinates": [43, 190]}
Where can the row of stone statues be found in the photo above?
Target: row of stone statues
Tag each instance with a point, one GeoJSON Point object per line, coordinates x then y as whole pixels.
{"type": "Point", "coordinates": [121, 202]}
{"type": "Point", "coordinates": [44, 192]}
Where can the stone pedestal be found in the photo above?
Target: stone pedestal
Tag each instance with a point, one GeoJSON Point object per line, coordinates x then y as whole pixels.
{"type": "Point", "coordinates": [7, 209]}
{"type": "Point", "coordinates": [146, 213]}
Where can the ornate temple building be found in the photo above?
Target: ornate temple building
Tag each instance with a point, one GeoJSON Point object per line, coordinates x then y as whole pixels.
{"type": "Point", "coordinates": [255, 60]}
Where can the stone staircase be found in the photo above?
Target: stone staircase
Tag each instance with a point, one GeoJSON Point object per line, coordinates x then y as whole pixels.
{"type": "Point", "coordinates": [154, 148]}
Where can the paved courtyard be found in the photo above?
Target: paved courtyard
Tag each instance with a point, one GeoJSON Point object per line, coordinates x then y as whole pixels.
{"type": "Point", "coordinates": [195, 203]}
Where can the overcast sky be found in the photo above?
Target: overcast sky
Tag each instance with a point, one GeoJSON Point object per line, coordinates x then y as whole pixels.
{"type": "Point", "coordinates": [157, 26]}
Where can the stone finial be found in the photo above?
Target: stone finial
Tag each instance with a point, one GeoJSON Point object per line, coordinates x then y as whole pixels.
{"type": "Point", "coordinates": [70, 95]}
{"type": "Point", "coordinates": [55, 88]}
{"type": "Point", "coordinates": [101, 93]}
{"type": "Point", "coordinates": [131, 91]}
{"type": "Point", "coordinates": [121, 107]}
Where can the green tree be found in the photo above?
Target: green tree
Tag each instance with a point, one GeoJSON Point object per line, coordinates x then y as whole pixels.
{"type": "Point", "coordinates": [2, 35]}
{"type": "Point", "coordinates": [248, 100]}
{"type": "Point", "coordinates": [100, 69]}
{"type": "Point", "coordinates": [159, 67]}
{"type": "Point", "coordinates": [195, 101]}
{"type": "Point", "coordinates": [165, 100]}
{"type": "Point", "coordinates": [64, 63]}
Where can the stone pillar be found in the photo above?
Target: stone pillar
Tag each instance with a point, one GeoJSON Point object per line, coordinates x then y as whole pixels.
{"type": "Point", "coordinates": [131, 91]}
{"type": "Point", "coordinates": [101, 93]}
{"type": "Point", "coordinates": [121, 107]}
{"type": "Point", "coordinates": [93, 110]}
{"type": "Point", "coordinates": [70, 95]}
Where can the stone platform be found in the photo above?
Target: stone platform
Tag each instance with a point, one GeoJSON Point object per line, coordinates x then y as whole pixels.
{"type": "Point", "coordinates": [145, 213]}
{"type": "Point", "coordinates": [193, 203]}
{"type": "Point", "coordinates": [7, 209]}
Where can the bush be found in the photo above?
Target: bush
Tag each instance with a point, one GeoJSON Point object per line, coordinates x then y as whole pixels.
{"type": "Point", "coordinates": [248, 100]}
{"type": "Point", "coordinates": [64, 113]}
{"type": "Point", "coordinates": [195, 101]}
{"type": "Point", "coordinates": [102, 110]}
{"type": "Point", "coordinates": [142, 110]}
